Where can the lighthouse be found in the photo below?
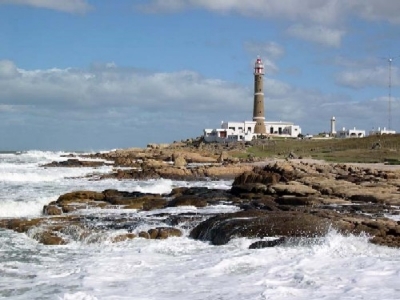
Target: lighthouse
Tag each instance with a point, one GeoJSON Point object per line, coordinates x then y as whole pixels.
{"type": "Point", "coordinates": [333, 126]}
{"type": "Point", "coordinates": [258, 110]}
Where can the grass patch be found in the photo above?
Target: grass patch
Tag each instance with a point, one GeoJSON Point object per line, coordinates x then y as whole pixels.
{"type": "Point", "coordinates": [392, 161]}
{"type": "Point", "coordinates": [371, 149]}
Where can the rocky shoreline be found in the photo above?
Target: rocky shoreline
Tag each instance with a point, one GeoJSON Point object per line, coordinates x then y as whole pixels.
{"type": "Point", "coordinates": [280, 200]}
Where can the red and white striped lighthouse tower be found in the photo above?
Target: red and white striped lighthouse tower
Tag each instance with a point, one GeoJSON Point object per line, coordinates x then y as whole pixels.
{"type": "Point", "coordinates": [258, 110]}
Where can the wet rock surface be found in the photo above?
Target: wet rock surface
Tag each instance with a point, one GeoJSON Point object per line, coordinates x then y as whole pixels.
{"type": "Point", "coordinates": [75, 162]}
{"type": "Point", "coordinates": [281, 200]}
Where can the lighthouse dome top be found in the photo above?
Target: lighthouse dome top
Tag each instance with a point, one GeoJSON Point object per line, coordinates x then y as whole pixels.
{"type": "Point", "coordinates": [258, 67]}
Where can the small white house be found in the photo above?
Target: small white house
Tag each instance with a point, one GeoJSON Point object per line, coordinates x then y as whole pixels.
{"type": "Point", "coordinates": [350, 133]}
{"type": "Point", "coordinates": [380, 131]}
{"type": "Point", "coordinates": [284, 129]}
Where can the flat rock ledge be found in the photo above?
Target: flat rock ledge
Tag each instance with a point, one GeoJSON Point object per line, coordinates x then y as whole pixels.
{"type": "Point", "coordinates": [76, 163]}
{"type": "Point", "coordinates": [191, 160]}
{"type": "Point", "coordinates": [281, 200]}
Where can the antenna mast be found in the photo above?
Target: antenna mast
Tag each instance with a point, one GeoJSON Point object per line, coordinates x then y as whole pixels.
{"type": "Point", "coordinates": [390, 61]}
{"type": "Point", "coordinates": [390, 94]}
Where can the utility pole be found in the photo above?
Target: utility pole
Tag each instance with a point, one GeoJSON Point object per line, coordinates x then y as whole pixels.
{"type": "Point", "coordinates": [390, 61]}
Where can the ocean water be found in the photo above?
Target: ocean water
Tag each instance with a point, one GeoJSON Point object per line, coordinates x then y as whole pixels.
{"type": "Point", "coordinates": [333, 267]}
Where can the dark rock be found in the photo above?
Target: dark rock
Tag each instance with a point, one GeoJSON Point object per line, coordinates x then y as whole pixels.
{"type": "Point", "coordinates": [263, 177]}
{"type": "Point", "coordinates": [79, 197]}
{"type": "Point", "coordinates": [364, 198]}
{"type": "Point", "coordinates": [184, 220]}
{"type": "Point", "coordinates": [155, 203]}
{"type": "Point", "coordinates": [49, 238]}
{"type": "Point", "coordinates": [267, 244]}
{"type": "Point", "coordinates": [52, 210]}
{"type": "Point", "coordinates": [296, 201]}
{"type": "Point", "coordinates": [144, 234]}
{"type": "Point", "coordinates": [187, 200]}
{"type": "Point", "coordinates": [161, 233]}
{"type": "Point", "coordinates": [134, 200]}
{"type": "Point", "coordinates": [73, 162]}
{"type": "Point", "coordinates": [240, 189]}
{"type": "Point", "coordinates": [259, 224]}
{"type": "Point", "coordinates": [123, 237]}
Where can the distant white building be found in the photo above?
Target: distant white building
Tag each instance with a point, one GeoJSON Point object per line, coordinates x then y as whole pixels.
{"type": "Point", "coordinates": [380, 131]}
{"type": "Point", "coordinates": [350, 133]}
{"type": "Point", "coordinates": [244, 131]}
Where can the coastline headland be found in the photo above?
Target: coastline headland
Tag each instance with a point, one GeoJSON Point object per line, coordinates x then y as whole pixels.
{"type": "Point", "coordinates": [283, 198]}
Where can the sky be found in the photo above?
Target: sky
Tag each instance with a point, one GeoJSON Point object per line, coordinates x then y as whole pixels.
{"type": "Point", "coordinates": [103, 74]}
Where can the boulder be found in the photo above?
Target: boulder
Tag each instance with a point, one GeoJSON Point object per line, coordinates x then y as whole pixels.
{"type": "Point", "coordinates": [195, 157]}
{"type": "Point", "coordinates": [221, 229]}
{"type": "Point", "coordinates": [223, 157]}
{"type": "Point", "coordinates": [267, 244]}
{"type": "Point", "coordinates": [52, 210]}
{"type": "Point", "coordinates": [254, 188]}
{"type": "Point", "coordinates": [79, 197]}
{"type": "Point", "coordinates": [293, 188]}
{"type": "Point", "coordinates": [297, 201]}
{"type": "Point", "coordinates": [187, 200]}
{"type": "Point", "coordinates": [226, 172]}
{"type": "Point", "coordinates": [180, 173]}
{"type": "Point", "coordinates": [123, 237]}
{"type": "Point", "coordinates": [258, 176]}
{"type": "Point", "coordinates": [155, 203]}
{"type": "Point", "coordinates": [144, 234]}
{"type": "Point", "coordinates": [49, 238]}
{"type": "Point", "coordinates": [152, 163]}
{"type": "Point", "coordinates": [162, 233]}
{"type": "Point", "coordinates": [74, 162]}
{"type": "Point", "coordinates": [180, 161]}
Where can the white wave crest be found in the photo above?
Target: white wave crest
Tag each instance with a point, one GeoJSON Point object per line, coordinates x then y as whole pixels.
{"type": "Point", "coordinates": [19, 209]}
{"type": "Point", "coordinates": [78, 296]}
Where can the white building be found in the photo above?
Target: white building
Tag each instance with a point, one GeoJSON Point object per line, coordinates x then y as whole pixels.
{"type": "Point", "coordinates": [350, 133]}
{"type": "Point", "coordinates": [380, 131]}
{"type": "Point", "coordinates": [244, 131]}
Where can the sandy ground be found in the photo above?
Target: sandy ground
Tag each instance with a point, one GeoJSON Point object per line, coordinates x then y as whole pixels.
{"type": "Point", "coordinates": [379, 166]}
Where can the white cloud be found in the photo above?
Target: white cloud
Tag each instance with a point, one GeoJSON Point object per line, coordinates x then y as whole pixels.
{"type": "Point", "coordinates": [268, 52]}
{"type": "Point", "coordinates": [323, 20]}
{"type": "Point", "coordinates": [7, 69]}
{"type": "Point", "coordinates": [313, 10]}
{"type": "Point", "coordinates": [375, 10]}
{"type": "Point", "coordinates": [8, 108]}
{"type": "Point", "coordinates": [163, 6]}
{"type": "Point", "coordinates": [318, 34]}
{"type": "Point", "coordinates": [367, 77]}
{"type": "Point", "coordinates": [69, 6]}
{"type": "Point", "coordinates": [112, 86]}
{"type": "Point", "coordinates": [269, 49]}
